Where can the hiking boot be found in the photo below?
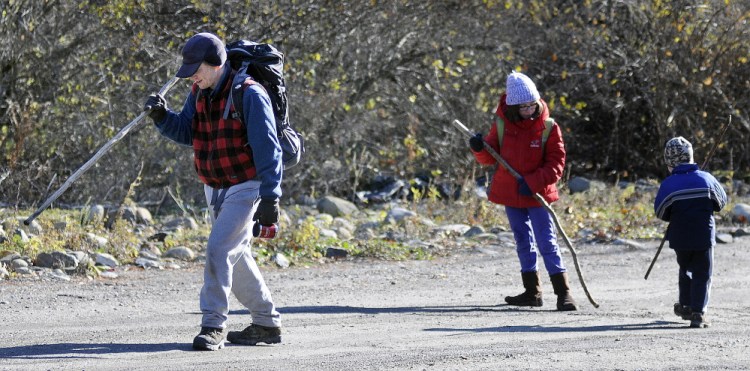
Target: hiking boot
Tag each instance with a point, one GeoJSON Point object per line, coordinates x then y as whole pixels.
{"type": "Point", "coordinates": [560, 285]}
{"type": "Point", "coordinates": [683, 311]}
{"type": "Point", "coordinates": [697, 320]}
{"type": "Point", "coordinates": [255, 334]}
{"type": "Point", "coordinates": [209, 339]}
{"type": "Point", "coordinates": [532, 297]}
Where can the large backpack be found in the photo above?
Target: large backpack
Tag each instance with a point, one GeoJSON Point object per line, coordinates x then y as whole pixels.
{"type": "Point", "coordinates": [265, 64]}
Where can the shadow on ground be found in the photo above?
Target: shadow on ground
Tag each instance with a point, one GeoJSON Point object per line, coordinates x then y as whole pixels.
{"type": "Point", "coordinates": [81, 350]}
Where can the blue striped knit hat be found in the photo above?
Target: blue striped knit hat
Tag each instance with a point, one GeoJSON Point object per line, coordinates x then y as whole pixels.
{"type": "Point", "coordinates": [678, 151]}
{"type": "Point", "coordinates": [520, 89]}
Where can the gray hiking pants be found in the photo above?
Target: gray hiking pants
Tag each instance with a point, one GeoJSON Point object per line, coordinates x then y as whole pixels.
{"type": "Point", "coordinates": [230, 267]}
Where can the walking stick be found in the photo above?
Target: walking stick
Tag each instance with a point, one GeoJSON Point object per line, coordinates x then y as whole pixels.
{"type": "Point", "coordinates": [77, 174]}
{"type": "Point", "coordinates": [544, 203]}
{"type": "Point", "coordinates": [705, 162]}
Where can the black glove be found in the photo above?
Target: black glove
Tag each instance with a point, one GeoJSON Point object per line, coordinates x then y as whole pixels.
{"type": "Point", "coordinates": [476, 142]}
{"type": "Point", "coordinates": [156, 106]}
{"type": "Point", "coordinates": [268, 211]}
{"type": "Point", "coordinates": [523, 188]}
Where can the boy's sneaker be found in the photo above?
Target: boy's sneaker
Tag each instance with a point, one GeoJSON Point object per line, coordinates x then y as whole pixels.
{"type": "Point", "coordinates": [255, 334]}
{"type": "Point", "coordinates": [683, 311]}
{"type": "Point", "coordinates": [209, 339]}
{"type": "Point", "coordinates": [697, 320]}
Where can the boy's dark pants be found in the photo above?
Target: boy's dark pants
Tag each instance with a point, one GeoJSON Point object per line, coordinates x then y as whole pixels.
{"type": "Point", "coordinates": [696, 287]}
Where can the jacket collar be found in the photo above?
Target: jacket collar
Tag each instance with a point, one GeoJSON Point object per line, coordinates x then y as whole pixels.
{"type": "Point", "coordinates": [685, 168]}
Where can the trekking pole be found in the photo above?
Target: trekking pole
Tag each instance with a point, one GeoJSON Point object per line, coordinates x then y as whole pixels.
{"type": "Point", "coordinates": [544, 203]}
{"type": "Point", "coordinates": [77, 174]}
{"type": "Point", "coordinates": [705, 162]}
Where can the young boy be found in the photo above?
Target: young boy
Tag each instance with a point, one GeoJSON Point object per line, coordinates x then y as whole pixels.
{"type": "Point", "coordinates": [687, 199]}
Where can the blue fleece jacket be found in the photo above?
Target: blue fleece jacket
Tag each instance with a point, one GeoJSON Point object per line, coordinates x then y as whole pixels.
{"type": "Point", "coordinates": [687, 199]}
{"type": "Point", "coordinates": [261, 132]}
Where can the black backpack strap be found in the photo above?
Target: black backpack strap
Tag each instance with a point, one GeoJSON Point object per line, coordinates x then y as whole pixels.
{"type": "Point", "coordinates": [236, 97]}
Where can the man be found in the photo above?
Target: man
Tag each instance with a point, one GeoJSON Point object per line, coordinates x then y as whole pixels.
{"type": "Point", "coordinates": [239, 162]}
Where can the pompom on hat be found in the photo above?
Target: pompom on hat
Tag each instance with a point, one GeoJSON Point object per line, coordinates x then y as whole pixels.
{"type": "Point", "coordinates": [678, 151]}
{"type": "Point", "coordinates": [520, 89]}
{"type": "Point", "coordinates": [203, 47]}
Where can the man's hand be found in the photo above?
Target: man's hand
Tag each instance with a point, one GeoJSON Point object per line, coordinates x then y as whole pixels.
{"type": "Point", "coordinates": [267, 212]}
{"type": "Point", "coordinates": [156, 106]}
{"type": "Point", "coordinates": [476, 142]}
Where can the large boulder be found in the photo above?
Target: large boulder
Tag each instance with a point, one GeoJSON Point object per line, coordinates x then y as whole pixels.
{"type": "Point", "coordinates": [335, 206]}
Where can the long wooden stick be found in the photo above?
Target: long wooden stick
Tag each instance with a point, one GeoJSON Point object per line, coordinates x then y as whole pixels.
{"type": "Point", "coordinates": [77, 174]}
{"type": "Point", "coordinates": [705, 163]}
{"type": "Point", "coordinates": [544, 203]}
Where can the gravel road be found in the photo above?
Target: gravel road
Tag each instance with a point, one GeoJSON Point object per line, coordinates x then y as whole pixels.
{"type": "Point", "coordinates": [446, 313]}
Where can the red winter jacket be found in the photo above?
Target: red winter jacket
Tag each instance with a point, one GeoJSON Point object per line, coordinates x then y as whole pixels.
{"type": "Point", "coordinates": [522, 150]}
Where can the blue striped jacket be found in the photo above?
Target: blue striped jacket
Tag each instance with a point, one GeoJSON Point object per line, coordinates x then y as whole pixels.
{"type": "Point", "coordinates": [688, 199]}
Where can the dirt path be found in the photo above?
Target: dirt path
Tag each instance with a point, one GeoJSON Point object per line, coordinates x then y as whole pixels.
{"type": "Point", "coordinates": [440, 314]}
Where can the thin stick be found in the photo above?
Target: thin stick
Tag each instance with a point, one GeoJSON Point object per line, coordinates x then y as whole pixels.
{"type": "Point", "coordinates": [705, 163]}
{"type": "Point", "coordinates": [77, 174]}
{"type": "Point", "coordinates": [544, 203]}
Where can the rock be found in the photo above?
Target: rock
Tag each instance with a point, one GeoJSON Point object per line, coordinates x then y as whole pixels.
{"type": "Point", "coordinates": [142, 215]}
{"type": "Point", "coordinates": [180, 253]}
{"type": "Point", "coordinates": [398, 214]}
{"type": "Point", "coordinates": [147, 263]}
{"type": "Point", "coordinates": [579, 184]}
{"type": "Point", "coordinates": [98, 241]}
{"type": "Point", "coordinates": [60, 226]}
{"type": "Point", "coordinates": [336, 252]}
{"type": "Point", "coordinates": [95, 214]}
{"type": "Point", "coordinates": [306, 200]}
{"type": "Point", "coordinates": [58, 274]}
{"type": "Point", "coordinates": [171, 265]}
{"type": "Point", "coordinates": [366, 231]}
{"type": "Point", "coordinates": [739, 232]}
{"type": "Point", "coordinates": [474, 231]}
{"type": "Point", "coordinates": [106, 260]}
{"type": "Point", "coordinates": [158, 236]}
{"type": "Point", "coordinates": [327, 233]}
{"type": "Point", "coordinates": [128, 214]}
{"type": "Point", "coordinates": [344, 234]}
{"type": "Point", "coordinates": [7, 256]}
{"type": "Point", "coordinates": [56, 259]}
{"type": "Point", "coordinates": [18, 264]}
{"type": "Point", "coordinates": [151, 249]}
{"type": "Point", "coordinates": [323, 220]}
{"type": "Point", "coordinates": [82, 258]}
{"type": "Point", "coordinates": [724, 238]}
{"type": "Point", "coordinates": [33, 228]}
{"type": "Point", "coordinates": [281, 260]}
{"type": "Point", "coordinates": [23, 270]}
{"type": "Point", "coordinates": [108, 274]}
{"type": "Point", "coordinates": [335, 206]}
{"type": "Point", "coordinates": [181, 223]}
{"type": "Point", "coordinates": [3, 272]}
{"type": "Point", "coordinates": [147, 254]}
{"type": "Point", "coordinates": [453, 229]}
{"type": "Point", "coordinates": [341, 223]}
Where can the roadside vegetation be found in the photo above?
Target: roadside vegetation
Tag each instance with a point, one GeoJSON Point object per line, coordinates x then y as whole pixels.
{"type": "Point", "coordinates": [600, 215]}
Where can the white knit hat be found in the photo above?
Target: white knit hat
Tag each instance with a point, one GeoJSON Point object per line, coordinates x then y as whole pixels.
{"type": "Point", "coordinates": [678, 151]}
{"type": "Point", "coordinates": [520, 89]}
